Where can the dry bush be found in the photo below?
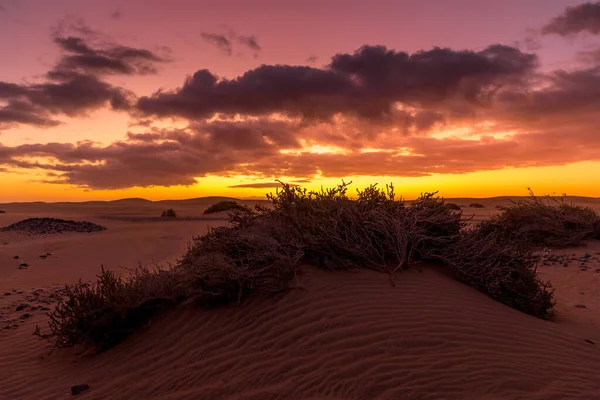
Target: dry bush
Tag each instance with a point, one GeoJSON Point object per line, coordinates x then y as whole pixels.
{"type": "Point", "coordinates": [453, 206]}
{"type": "Point", "coordinates": [168, 213]}
{"type": "Point", "coordinates": [103, 314]}
{"type": "Point", "coordinates": [374, 231]}
{"type": "Point", "coordinates": [476, 205]}
{"type": "Point", "coordinates": [230, 262]}
{"type": "Point", "coordinates": [261, 249]}
{"type": "Point", "coordinates": [226, 205]}
{"type": "Point", "coordinates": [505, 271]}
{"type": "Point", "coordinates": [544, 221]}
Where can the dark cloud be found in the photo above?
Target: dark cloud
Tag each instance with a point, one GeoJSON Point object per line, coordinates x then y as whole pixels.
{"type": "Point", "coordinates": [81, 58]}
{"type": "Point", "coordinates": [75, 85]}
{"type": "Point", "coordinates": [249, 41]}
{"type": "Point", "coordinates": [219, 41]}
{"type": "Point", "coordinates": [117, 14]}
{"type": "Point", "coordinates": [259, 185]}
{"type": "Point", "coordinates": [366, 83]}
{"type": "Point", "coordinates": [584, 17]}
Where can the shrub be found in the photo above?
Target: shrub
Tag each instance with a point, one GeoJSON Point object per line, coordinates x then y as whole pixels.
{"type": "Point", "coordinates": [545, 221]}
{"type": "Point", "coordinates": [2, 212]}
{"type": "Point", "coordinates": [453, 206]}
{"type": "Point", "coordinates": [168, 213]}
{"type": "Point", "coordinates": [504, 271]}
{"type": "Point", "coordinates": [374, 231]}
{"type": "Point", "coordinates": [103, 314]}
{"type": "Point", "coordinates": [226, 205]}
{"type": "Point", "coordinates": [476, 205]}
{"type": "Point", "coordinates": [261, 249]}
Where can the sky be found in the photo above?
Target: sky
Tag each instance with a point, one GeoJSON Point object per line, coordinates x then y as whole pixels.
{"type": "Point", "coordinates": [168, 100]}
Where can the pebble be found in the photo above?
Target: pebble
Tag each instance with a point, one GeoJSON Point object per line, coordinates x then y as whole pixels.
{"type": "Point", "coordinates": [24, 265]}
{"type": "Point", "coordinates": [580, 306]}
{"type": "Point", "coordinates": [16, 257]}
{"type": "Point", "coordinates": [75, 390]}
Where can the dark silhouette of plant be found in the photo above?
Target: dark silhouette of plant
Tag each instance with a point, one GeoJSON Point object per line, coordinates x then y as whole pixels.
{"type": "Point", "coordinates": [261, 249]}
{"type": "Point", "coordinates": [476, 205]}
{"type": "Point", "coordinates": [226, 205]}
{"type": "Point", "coordinates": [168, 213]}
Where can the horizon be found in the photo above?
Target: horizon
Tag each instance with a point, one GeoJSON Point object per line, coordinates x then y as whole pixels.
{"type": "Point", "coordinates": [187, 100]}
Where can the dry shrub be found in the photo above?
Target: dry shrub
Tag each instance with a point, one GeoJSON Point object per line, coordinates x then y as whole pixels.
{"type": "Point", "coordinates": [476, 205]}
{"type": "Point", "coordinates": [374, 231]}
{"type": "Point", "coordinates": [169, 213]}
{"type": "Point", "coordinates": [505, 271]}
{"type": "Point", "coordinates": [230, 262]}
{"type": "Point", "coordinates": [103, 314]}
{"type": "Point", "coordinates": [226, 205]}
{"type": "Point", "coordinates": [544, 221]}
{"type": "Point", "coordinates": [261, 249]}
{"type": "Point", "coordinates": [453, 206]}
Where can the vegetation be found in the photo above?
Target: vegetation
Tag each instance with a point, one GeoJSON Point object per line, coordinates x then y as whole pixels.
{"type": "Point", "coordinates": [544, 221]}
{"type": "Point", "coordinates": [2, 212]}
{"type": "Point", "coordinates": [169, 213]}
{"type": "Point", "coordinates": [226, 205]}
{"type": "Point", "coordinates": [476, 205]}
{"type": "Point", "coordinates": [453, 206]}
{"type": "Point", "coordinates": [261, 249]}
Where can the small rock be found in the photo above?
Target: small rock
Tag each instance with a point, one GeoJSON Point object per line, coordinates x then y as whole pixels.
{"type": "Point", "coordinates": [7, 293]}
{"type": "Point", "coordinates": [25, 316]}
{"type": "Point", "coordinates": [590, 341]}
{"type": "Point", "coordinates": [48, 254]}
{"type": "Point", "coordinates": [22, 307]}
{"type": "Point", "coordinates": [580, 306]}
{"type": "Point", "coordinates": [587, 255]}
{"type": "Point", "coordinates": [43, 256]}
{"type": "Point", "coordinates": [581, 292]}
{"type": "Point", "coordinates": [16, 257]}
{"type": "Point", "coordinates": [75, 390]}
{"type": "Point", "coordinates": [23, 265]}
{"type": "Point", "coordinates": [7, 327]}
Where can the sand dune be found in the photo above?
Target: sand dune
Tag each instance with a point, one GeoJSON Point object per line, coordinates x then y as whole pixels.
{"type": "Point", "coordinates": [344, 335]}
{"type": "Point", "coordinates": [338, 336]}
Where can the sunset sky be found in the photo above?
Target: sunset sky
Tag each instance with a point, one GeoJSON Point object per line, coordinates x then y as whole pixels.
{"type": "Point", "coordinates": [179, 99]}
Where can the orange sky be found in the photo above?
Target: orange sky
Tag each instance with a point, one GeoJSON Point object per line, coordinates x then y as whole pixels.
{"type": "Point", "coordinates": [190, 99]}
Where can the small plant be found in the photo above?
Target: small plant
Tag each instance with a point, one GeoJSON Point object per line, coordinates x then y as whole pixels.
{"type": "Point", "coordinates": [544, 221]}
{"type": "Point", "coordinates": [453, 206]}
{"type": "Point", "coordinates": [476, 205]}
{"type": "Point", "coordinates": [226, 205]}
{"type": "Point", "coordinates": [504, 271]}
{"type": "Point", "coordinates": [169, 213]}
{"type": "Point", "coordinates": [103, 314]}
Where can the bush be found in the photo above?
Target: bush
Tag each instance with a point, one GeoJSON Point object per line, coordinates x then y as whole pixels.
{"type": "Point", "coordinates": [261, 249]}
{"type": "Point", "coordinates": [476, 205]}
{"type": "Point", "coordinates": [226, 205]}
{"type": "Point", "coordinates": [169, 213]}
{"type": "Point", "coordinates": [105, 313]}
{"type": "Point", "coordinates": [453, 206]}
{"type": "Point", "coordinates": [504, 271]}
{"type": "Point", "coordinates": [374, 231]}
{"type": "Point", "coordinates": [546, 221]}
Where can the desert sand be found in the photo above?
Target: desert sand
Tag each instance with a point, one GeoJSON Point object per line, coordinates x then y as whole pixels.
{"type": "Point", "coordinates": [336, 335]}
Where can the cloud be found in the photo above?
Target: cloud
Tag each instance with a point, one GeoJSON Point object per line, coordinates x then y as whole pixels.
{"type": "Point", "coordinates": [249, 41]}
{"type": "Point", "coordinates": [219, 41]}
{"type": "Point", "coordinates": [75, 85]}
{"type": "Point", "coordinates": [312, 59]}
{"type": "Point", "coordinates": [117, 14]}
{"type": "Point", "coordinates": [581, 18]}
{"type": "Point", "coordinates": [367, 83]}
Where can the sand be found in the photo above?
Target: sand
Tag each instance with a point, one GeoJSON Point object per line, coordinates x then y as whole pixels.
{"type": "Point", "coordinates": [338, 335]}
